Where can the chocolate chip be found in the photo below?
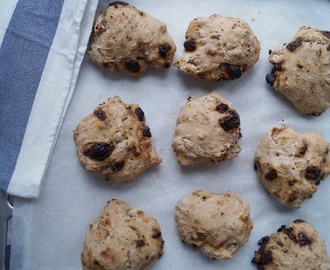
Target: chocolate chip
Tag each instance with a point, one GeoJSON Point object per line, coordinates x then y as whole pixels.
{"type": "Point", "coordinates": [294, 45]}
{"type": "Point", "coordinates": [234, 72]}
{"type": "Point", "coordinates": [288, 232]}
{"type": "Point", "coordinates": [269, 51]}
{"type": "Point", "coordinates": [303, 149]}
{"type": "Point", "coordinates": [270, 78]}
{"type": "Point", "coordinates": [299, 66]}
{"type": "Point", "coordinates": [262, 257]}
{"type": "Point", "coordinates": [140, 243]}
{"type": "Point", "coordinates": [146, 132]}
{"type": "Point", "coordinates": [312, 173]}
{"type": "Point", "coordinates": [328, 48]}
{"type": "Point", "coordinates": [190, 45]}
{"type": "Point", "coordinates": [271, 175]}
{"type": "Point", "coordinates": [256, 164]}
{"type": "Point", "coordinates": [266, 257]}
{"type": "Point", "coordinates": [281, 228]}
{"type": "Point", "coordinates": [326, 34]}
{"type": "Point", "coordinates": [99, 151]}
{"type": "Point", "coordinates": [132, 65]}
{"type": "Point", "coordinates": [303, 239]}
{"type": "Point", "coordinates": [139, 113]}
{"type": "Point", "coordinates": [166, 65]}
{"type": "Point", "coordinates": [222, 107]}
{"type": "Point", "coordinates": [277, 67]}
{"type": "Point", "coordinates": [163, 49]}
{"type": "Point", "coordinates": [100, 114]}
{"type": "Point", "coordinates": [118, 166]}
{"type": "Point", "coordinates": [156, 234]}
{"type": "Point", "coordinates": [230, 121]}
{"type": "Point", "coordinates": [118, 3]}
{"type": "Point", "coordinates": [292, 182]}
{"type": "Point", "coordinates": [264, 241]}
{"type": "Point", "coordinates": [292, 198]}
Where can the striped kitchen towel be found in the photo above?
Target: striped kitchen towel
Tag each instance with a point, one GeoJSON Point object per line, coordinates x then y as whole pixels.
{"type": "Point", "coordinates": [42, 45]}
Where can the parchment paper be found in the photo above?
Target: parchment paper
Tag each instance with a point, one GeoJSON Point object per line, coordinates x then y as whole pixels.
{"type": "Point", "coordinates": [48, 233]}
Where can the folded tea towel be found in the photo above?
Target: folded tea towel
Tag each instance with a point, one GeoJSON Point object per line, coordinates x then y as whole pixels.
{"type": "Point", "coordinates": [42, 46]}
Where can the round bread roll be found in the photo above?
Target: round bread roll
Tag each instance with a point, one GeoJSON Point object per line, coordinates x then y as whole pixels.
{"type": "Point", "coordinates": [301, 70]}
{"type": "Point", "coordinates": [291, 165]}
{"type": "Point", "coordinates": [127, 39]}
{"type": "Point", "coordinates": [218, 224]}
{"type": "Point", "coordinates": [122, 238]}
{"type": "Point", "coordinates": [218, 47]}
{"type": "Point", "coordinates": [294, 248]}
{"type": "Point", "coordinates": [114, 142]}
{"type": "Point", "coordinates": [207, 131]}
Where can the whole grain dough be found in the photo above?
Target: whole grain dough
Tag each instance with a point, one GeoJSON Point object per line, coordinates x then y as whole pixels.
{"type": "Point", "coordinates": [122, 238]}
{"type": "Point", "coordinates": [207, 131]}
{"type": "Point", "coordinates": [291, 165]}
{"type": "Point", "coordinates": [294, 248]}
{"type": "Point", "coordinates": [130, 40]}
{"type": "Point", "coordinates": [218, 223]}
{"type": "Point", "coordinates": [114, 141]}
{"type": "Point", "coordinates": [218, 47]}
{"type": "Point", "coordinates": [301, 70]}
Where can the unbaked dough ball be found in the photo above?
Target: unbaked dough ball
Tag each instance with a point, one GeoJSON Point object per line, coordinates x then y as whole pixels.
{"type": "Point", "coordinates": [114, 141]}
{"type": "Point", "coordinates": [122, 238]}
{"type": "Point", "coordinates": [217, 223]}
{"type": "Point", "coordinates": [218, 47]}
{"type": "Point", "coordinates": [207, 131]}
{"type": "Point", "coordinates": [301, 70]}
{"type": "Point", "coordinates": [127, 39]}
{"type": "Point", "coordinates": [294, 248]}
{"type": "Point", "coordinates": [291, 165]}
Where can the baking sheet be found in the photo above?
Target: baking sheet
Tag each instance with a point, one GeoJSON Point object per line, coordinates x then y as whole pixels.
{"type": "Point", "coordinates": [48, 233]}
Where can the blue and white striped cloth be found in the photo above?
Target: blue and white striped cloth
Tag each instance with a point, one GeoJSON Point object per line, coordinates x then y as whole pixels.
{"type": "Point", "coordinates": [42, 46]}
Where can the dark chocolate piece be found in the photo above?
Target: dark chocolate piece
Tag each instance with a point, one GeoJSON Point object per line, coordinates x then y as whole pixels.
{"type": "Point", "coordinates": [312, 173]}
{"type": "Point", "coordinates": [139, 113]}
{"type": "Point", "coordinates": [234, 72]}
{"type": "Point", "coordinates": [190, 45]}
{"type": "Point", "coordinates": [230, 121]}
{"type": "Point", "coordinates": [163, 49]}
{"type": "Point", "coordinates": [271, 175]}
{"type": "Point", "coordinates": [292, 46]}
{"type": "Point", "coordinates": [132, 65]}
{"type": "Point", "coordinates": [100, 114]}
{"type": "Point", "coordinates": [326, 34]}
{"type": "Point", "coordinates": [146, 132]}
{"type": "Point", "coordinates": [99, 151]}
{"type": "Point", "coordinates": [222, 107]}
